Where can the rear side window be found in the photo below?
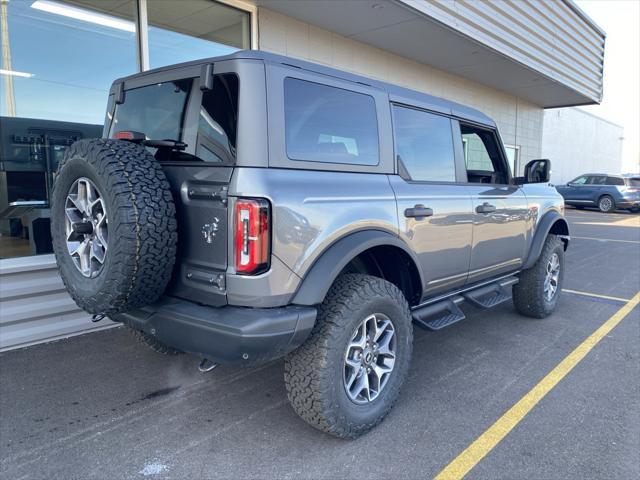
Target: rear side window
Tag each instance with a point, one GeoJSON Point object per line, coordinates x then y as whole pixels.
{"type": "Point", "coordinates": [218, 121]}
{"type": "Point", "coordinates": [615, 181]}
{"type": "Point", "coordinates": [424, 145]}
{"type": "Point", "coordinates": [329, 124]}
{"type": "Point", "coordinates": [156, 110]}
{"type": "Point", "coordinates": [597, 180]}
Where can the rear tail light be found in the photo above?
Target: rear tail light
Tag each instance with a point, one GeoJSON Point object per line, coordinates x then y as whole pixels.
{"type": "Point", "coordinates": [252, 235]}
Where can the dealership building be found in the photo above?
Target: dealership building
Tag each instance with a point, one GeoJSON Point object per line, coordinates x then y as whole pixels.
{"type": "Point", "coordinates": [509, 59]}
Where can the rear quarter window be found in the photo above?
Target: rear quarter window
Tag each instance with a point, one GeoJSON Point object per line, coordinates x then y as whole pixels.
{"type": "Point", "coordinates": [218, 120]}
{"type": "Point", "coordinates": [615, 181]}
{"type": "Point", "coordinates": [329, 124]}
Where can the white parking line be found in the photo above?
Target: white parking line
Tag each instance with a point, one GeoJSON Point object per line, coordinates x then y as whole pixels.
{"type": "Point", "coordinates": [604, 239]}
{"type": "Point", "coordinates": [596, 295]}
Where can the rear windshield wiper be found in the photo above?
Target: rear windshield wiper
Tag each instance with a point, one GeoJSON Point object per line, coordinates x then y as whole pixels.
{"type": "Point", "coordinates": [139, 137]}
{"type": "Point", "coordinates": [172, 144]}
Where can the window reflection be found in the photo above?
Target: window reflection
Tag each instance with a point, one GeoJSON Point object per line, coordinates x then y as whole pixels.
{"type": "Point", "coordinates": [194, 29]}
{"type": "Point", "coordinates": [58, 64]}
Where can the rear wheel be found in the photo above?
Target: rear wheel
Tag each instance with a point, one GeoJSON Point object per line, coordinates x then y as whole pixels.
{"type": "Point", "coordinates": [346, 377]}
{"type": "Point", "coordinates": [537, 292]}
{"type": "Point", "coordinates": [606, 204]}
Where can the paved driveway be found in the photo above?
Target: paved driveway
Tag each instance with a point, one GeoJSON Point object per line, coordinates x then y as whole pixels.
{"type": "Point", "coordinates": [101, 406]}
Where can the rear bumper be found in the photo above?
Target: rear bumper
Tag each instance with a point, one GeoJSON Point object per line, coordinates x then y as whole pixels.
{"type": "Point", "coordinates": [228, 335]}
{"type": "Point", "coordinates": [628, 203]}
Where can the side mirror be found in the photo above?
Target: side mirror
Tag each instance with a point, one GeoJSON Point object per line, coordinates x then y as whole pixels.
{"type": "Point", "coordinates": [536, 171]}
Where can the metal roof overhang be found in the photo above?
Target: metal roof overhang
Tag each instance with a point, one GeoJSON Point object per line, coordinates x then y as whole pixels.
{"type": "Point", "coordinates": [550, 57]}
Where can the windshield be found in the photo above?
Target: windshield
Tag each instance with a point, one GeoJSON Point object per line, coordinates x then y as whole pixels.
{"type": "Point", "coordinates": [156, 110]}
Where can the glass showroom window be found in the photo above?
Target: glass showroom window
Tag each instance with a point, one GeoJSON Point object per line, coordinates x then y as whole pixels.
{"type": "Point", "coordinates": [59, 59]}
{"type": "Point", "coordinates": [194, 29]}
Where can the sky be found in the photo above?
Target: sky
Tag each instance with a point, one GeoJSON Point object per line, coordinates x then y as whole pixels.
{"type": "Point", "coordinates": [620, 19]}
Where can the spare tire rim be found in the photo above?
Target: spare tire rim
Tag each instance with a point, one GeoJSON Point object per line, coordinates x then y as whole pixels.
{"type": "Point", "coordinates": [552, 277]}
{"type": "Point", "coordinates": [86, 227]}
{"type": "Point", "coordinates": [369, 358]}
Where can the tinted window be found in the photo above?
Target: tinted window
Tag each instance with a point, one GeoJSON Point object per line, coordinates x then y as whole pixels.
{"type": "Point", "coordinates": [328, 124]}
{"type": "Point", "coordinates": [597, 180]}
{"type": "Point", "coordinates": [615, 181]}
{"type": "Point", "coordinates": [217, 125]}
{"type": "Point", "coordinates": [155, 110]}
{"type": "Point", "coordinates": [424, 145]}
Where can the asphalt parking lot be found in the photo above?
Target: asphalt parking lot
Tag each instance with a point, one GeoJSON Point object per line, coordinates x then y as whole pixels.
{"type": "Point", "coordinates": [102, 406]}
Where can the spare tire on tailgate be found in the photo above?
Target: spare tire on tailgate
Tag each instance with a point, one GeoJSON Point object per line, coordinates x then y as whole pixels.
{"type": "Point", "coordinates": [113, 226]}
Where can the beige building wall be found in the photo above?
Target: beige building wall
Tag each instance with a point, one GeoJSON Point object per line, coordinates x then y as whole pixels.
{"type": "Point", "coordinates": [519, 122]}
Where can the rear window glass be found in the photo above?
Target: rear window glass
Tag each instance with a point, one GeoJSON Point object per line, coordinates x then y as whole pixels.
{"type": "Point", "coordinates": [329, 124]}
{"type": "Point", "coordinates": [615, 181]}
{"type": "Point", "coordinates": [156, 110]}
{"type": "Point", "coordinates": [218, 120]}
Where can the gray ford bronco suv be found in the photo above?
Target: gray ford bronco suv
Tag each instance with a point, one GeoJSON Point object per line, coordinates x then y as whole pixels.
{"type": "Point", "coordinates": [250, 207]}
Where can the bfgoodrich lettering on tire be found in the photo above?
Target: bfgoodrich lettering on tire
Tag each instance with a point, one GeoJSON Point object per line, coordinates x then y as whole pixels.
{"type": "Point", "coordinates": [113, 226]}
{"type": "Point", "coordinates": [346, 377]}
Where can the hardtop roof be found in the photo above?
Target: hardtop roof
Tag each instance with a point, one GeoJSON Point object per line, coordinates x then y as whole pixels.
{"type": "Point", "coordinates": [402, 93]}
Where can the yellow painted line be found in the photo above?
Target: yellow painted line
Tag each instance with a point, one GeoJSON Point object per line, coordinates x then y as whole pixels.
{"type": "Point", "coordinates": [605, 239]}
{"type": "Point", "coordinates": [597, 295]}
{"type": "Point", "coordinates": [475, 452]}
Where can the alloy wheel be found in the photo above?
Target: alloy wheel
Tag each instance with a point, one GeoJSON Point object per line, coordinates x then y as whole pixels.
{"type": "Point", "coordinates": [86, 227]}
{"type": "Point", "coordinates": [552, 277]}
{"type": "Point", "coordinates": [369, 358]}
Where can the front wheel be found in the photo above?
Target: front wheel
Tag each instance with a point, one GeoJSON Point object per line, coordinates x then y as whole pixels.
{"type": "Point", "coordinates": [346, 377]}
{"type": "Point", "coordinates": [537, 292]}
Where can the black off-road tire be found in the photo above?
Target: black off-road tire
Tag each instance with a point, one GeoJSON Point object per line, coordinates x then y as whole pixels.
{"type": "Point", "coordinates": [153, 343]}
{"type": "Point", "coordinates": [606, 204]}
{"type": "Point", "coordinates": [314, 372]}
{"type": "Point", "coordinates": [528, 294]}
{"type": "Point", "coordinates": [142, 226]}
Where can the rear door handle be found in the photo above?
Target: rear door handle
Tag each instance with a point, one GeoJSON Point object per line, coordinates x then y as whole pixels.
{"type": "Point", "coordinates": [418, 211]}
{"type": "Point", "coordinates": [486, 207]}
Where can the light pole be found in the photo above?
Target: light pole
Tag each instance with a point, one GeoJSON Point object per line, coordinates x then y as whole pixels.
{"type": "Point", "coordinates": [6, 58]}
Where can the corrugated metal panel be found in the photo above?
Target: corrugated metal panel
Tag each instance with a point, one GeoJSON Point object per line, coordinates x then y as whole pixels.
{"type": "Point", "coordinates": [552, 37]}
{"type": "Point", "coordinates": [34, 306]}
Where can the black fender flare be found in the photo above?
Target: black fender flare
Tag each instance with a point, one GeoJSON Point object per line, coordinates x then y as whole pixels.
{"type": "Point", "coordinates": [550, 220]}
{"type": "Point", "coordinates": [327, 267]}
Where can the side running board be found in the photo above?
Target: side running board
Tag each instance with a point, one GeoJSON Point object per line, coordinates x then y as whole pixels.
{"type": "Point", "coordinates": [446, 312]}
{"type": "Point", "coordinates": [439, 315]}
{"type": "Point", "coordinates": [491, 295]}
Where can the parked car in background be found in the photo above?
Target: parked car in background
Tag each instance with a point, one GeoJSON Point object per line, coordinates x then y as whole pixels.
{"type": "Point", "coordinates": [607, 192]}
